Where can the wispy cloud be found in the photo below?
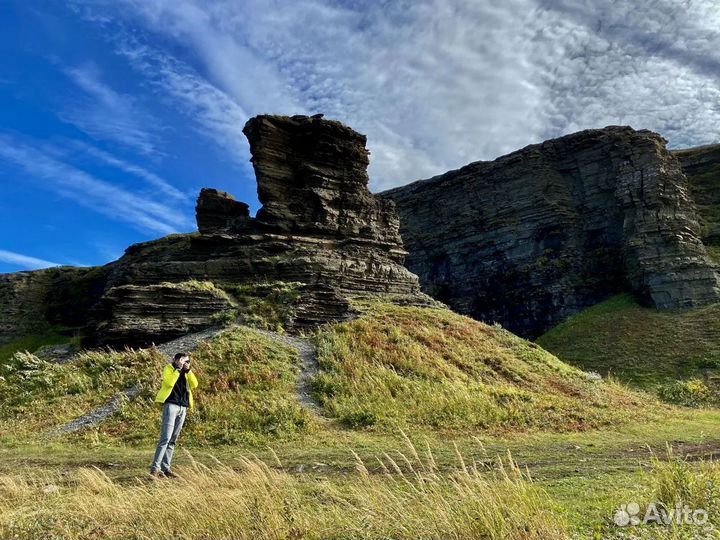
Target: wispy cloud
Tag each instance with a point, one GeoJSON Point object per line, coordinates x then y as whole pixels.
{"type": "Point", "coordinates": [214, 113]}
{"type": "Point", "coordinates": [152, 179]}
{"type": "Point", "coordinates": [437, 83]}
{"type": "Point", "coordinates": [146, 215]}
{"type": "Point", "coordinates": [108, 115]}
{"type": "Point", "coordinates": [24, 261]}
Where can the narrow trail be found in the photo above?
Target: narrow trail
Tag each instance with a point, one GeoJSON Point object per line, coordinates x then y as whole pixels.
{"type": "Point", "coordinates": [187, 343]}
{"type": "Point", "coordinates": [308, 365]}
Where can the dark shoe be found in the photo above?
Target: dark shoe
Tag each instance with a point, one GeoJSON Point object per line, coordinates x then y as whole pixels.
{"type": "Point", "coordinates": [157, 475]}
{"type": "Point", "coordinates": [170, 474]}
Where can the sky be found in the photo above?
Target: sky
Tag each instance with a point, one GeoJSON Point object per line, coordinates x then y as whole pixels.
{"type": "Point", "coordinates": [114, 113]}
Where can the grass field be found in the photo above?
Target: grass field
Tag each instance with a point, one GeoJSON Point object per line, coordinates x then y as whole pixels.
{"type": "Point", "coordinates": [673, 353]}
{"type": "Point", "coordinates": [432, 425]}
{"type": "Point", "coordinates": [563, 485]}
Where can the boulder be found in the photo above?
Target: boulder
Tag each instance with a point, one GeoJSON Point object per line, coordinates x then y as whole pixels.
{"type": "Point", "coordinates": [218, 212]}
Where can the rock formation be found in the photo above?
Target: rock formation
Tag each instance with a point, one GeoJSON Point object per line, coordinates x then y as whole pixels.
{"type": "Point", "coordinates": [537, 235]}
{"type": "Point", "coordinates": [218, 212]}
{"type": "Point", "coordinates": [702, 167]}
{"type": "Point", "coordinates": [33, 302]}
{"type": "Point", "coordinates": [319, 226]}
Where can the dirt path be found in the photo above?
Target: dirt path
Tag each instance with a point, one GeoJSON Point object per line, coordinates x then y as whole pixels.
{"type": "Point", "coordinates": [187, 343]}
{"type": "Point", "coordinates": [308, 364]}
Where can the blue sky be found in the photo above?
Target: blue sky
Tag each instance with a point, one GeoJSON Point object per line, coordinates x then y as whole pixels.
{"type": "Point", "coordinates": [114, 113]}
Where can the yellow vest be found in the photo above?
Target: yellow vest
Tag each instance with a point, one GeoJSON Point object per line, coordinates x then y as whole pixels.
{"type": "Point", "coordinates": [170, 377]}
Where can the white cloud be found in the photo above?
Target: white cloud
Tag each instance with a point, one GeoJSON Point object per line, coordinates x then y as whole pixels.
{"type": "Point", "coordinates": [214, 113]}
{"type": "Point", "coordinates": [24, 261]}
{"type": "Point", "coordinates": [108, 115]}
{"type": "Point", "coordinates": [160, 184]}
{"type": "Point", "coordinates": [648, 64]}
{"type": "Point", "coordinates": [436, 84]}
{"type": "Point", "coordinates": [143, 214]}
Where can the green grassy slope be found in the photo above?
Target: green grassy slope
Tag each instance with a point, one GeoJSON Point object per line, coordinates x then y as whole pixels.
{"type": "Point", "coordinates": [647, 348]}
{"type": "Point", "coordinates": [394, 367]}
{"type": "Point", "coordinates": [401, 366]}
{"type": "Point", "coordinates": [247, 391]}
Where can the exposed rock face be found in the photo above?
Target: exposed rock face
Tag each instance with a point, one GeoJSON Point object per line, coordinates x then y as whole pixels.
{"type": "Point", "coordinates": [319, 226]}
{"type": "Point", "coordinates": [30, 302]}
{"type": "Point", "coordinates": [537, 235]}
{"type": "Point", "coordinates": [702, 167]}
{"type": "Point", "coordinates": [218, 212]}
{"type": "Point", "coordinates": [142, 313]}
{"type": "Point", "coordinates": [312, 179]}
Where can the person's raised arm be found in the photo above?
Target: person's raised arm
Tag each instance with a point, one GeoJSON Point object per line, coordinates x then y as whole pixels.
{"type": "Point", "coordinates": [191, 379]}
{"type": "Point", "coordinates": [170, 375]}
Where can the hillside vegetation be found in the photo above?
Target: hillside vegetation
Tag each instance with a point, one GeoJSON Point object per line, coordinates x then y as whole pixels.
{"type": "Point", "coordinates": [674, 353]}
{"type": "Point", "coordinates": [392, 367]}
{"type": "Point", "coordinates": [416, 406]}
{"type": "Point", "coordinates": [247, 391]}
{"type": "Point", "coordinates": [431, 367]}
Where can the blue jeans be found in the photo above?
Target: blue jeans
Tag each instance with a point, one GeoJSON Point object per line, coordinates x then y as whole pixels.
{"type": "Point", "coordinates": [172, 422]}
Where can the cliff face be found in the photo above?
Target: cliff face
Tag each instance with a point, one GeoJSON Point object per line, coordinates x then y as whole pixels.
{"type": "Point", "coordinates": [30, 302]}
{"type": "Point", "coordinates": [319, 226]}
{"type": "Point", "coordinates": [702, 167]}
{"type": "Point", "coordinates": [535, 236]}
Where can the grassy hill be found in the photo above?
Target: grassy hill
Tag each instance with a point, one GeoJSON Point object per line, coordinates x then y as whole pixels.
{"type": "Point", "coordinates": [674, 353]}
{"type": "Point", "coordinates": [248, 391]}
{"type": "Point", "coordinates": [402, 366]}
{"type": "Point", "coordinates": [394, 367]}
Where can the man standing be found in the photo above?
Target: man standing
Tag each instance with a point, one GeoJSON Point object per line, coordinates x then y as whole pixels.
{"type": "Point", "coordinates": [176, 395]}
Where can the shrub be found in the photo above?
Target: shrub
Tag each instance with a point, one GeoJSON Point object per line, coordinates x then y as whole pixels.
{"type": "Point", "coordinates": [690, 393]}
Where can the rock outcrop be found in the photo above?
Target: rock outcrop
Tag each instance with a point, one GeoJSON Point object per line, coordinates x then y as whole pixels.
{"type": "Point", "coordinates": [702, 167]}
{"type": "Point", "coordinates": [33, 302]}
{"type": "Point", "coordinates": [218, 212]}
{"type": "Point", "coordinates": [535, 236]}
{"type": "Point", "coordinates": [312, 180]}
{"type": "Point", "coordinates": [319, 227]}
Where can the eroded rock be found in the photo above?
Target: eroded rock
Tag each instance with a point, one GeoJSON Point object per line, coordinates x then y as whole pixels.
{"type": "Point", "coordinates": [319, 226]}
{"type": "Point", "coordinates": [537, 235]}
{"type": "Point", "coordinates": [702, 167]}
{"type": "Point", "coordinates": [218, 212]}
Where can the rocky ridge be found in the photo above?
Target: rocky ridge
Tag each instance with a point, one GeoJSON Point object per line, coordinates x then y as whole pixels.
{"type": "Point", "coordinates": [702, 167]}
{"type": "Point", "coordinates": [319, 227]}
{"type": "Point", "coordinates": [536, 236]}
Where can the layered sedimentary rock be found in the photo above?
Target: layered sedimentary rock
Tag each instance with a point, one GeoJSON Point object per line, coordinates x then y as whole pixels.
{"type": "Point", "coordinates": [31, 302]}
{"type": "Point", "coordinates": [312, 179]}
{"type": "Point", "coordinates": [137, 314]}
{"type": "Point", "coordinates": [319, 226]}
{"type": "Point", "coordinates": [537, 235]}
{"type": "Point", "coordinates": [702, 167]}
{"type": "Point", "coordinates": [217, 211]}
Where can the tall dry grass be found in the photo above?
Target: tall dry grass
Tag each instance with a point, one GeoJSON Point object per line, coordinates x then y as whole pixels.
{"type": "Point", "coordinates": [674, 482]}
{"type": "Point", "coordinates": [408, 498]}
